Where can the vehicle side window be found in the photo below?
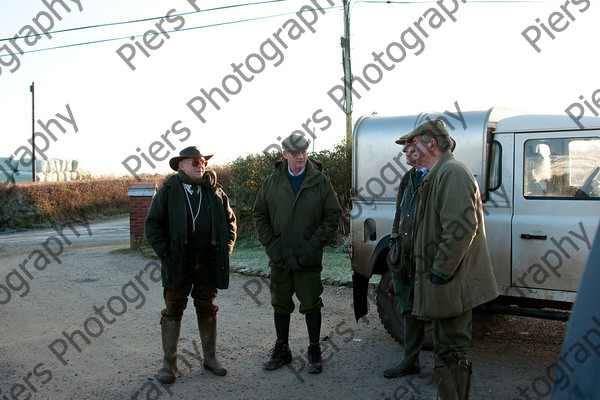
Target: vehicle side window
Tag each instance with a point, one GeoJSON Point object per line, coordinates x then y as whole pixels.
{"type": "Point", "coordinates": [562, 168]}
{"type": "Point", "coordinates": [495, 167]}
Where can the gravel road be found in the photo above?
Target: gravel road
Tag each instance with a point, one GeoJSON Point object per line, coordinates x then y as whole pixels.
{"type": "Point", "coordinates": [80, 321]}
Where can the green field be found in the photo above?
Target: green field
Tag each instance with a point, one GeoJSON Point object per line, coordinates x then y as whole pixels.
{"type": "Point", "coordinates": [249, 258]}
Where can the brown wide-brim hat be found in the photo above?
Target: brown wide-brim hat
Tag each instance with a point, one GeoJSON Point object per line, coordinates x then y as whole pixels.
{"type": "Point", "coordinates": [435, 127]}
{"type": "Point", "coordinates": [188, 152]}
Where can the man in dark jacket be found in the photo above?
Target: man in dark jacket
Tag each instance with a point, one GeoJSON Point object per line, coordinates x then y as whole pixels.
{"type": "Point", "coordinates": [192, 229]}
{"type": "Point", "coordinates": [401, 264]}
{"type": "Point", "coordinates": [296, 213]}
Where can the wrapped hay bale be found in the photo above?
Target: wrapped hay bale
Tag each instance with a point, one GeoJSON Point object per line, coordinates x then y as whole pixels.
{"type": "Point", "coordinates": [68, 166]}
{"type": "Point", "coordinates": [7, 167]}
{"type": "Point", "coordinates": [52, 177]}
{"type": "Point", "coordinates": [26, 176]}
{"type": "Point", "coordinates": [75, 166]}
{"type": "Point", "coordinates": [6, 177]}
{"type": "Point", "coordinates": [8, 164]}
{"type": "Point", "coordinates": [42, 165]}
{"type": "Point", "coordinates": [52, 165]}
{"type": "Point", "coordinates": [23, 164]}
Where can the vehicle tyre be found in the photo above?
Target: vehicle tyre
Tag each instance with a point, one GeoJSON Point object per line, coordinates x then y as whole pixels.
{"type": "Point", "coordinates": [392, 321]}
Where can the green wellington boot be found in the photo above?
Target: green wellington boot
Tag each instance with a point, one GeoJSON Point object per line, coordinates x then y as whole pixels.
{"type": "Point", "coordinates": [454, 381]}
{"type": "Point", "coordinates": [414, 333]}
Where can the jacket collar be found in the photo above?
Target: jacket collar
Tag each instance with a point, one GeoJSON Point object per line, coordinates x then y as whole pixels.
{"type": "Point", "coordinates": [433, 171]}
{"type": "Point", "coordinates": [313, 167]}
{"type": "Point", "coordinates": [447, 156]}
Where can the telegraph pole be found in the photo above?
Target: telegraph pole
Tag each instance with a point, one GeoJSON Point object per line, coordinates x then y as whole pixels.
{"type": "Point", "coordinates": [345, 42]}
{"type": "Point", "coordinates": [32, 90]}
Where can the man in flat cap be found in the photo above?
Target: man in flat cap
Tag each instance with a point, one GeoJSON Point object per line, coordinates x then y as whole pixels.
{"type": "Point", "coordinates": [402, 264]}
{"type": "Point", "coordinates": [192, 228]}
{"type": "Point", "coordinates": [296, 213]}
{"type": "Point", "coordinates": [453, 271]}
{"type": "Point", "coordinates": [401, 261]}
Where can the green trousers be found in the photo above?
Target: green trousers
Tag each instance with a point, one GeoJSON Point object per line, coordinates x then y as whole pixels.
{"type": "Point", "coordinates": [414, 328]}
{"type": "Point", "coordinates": [451, 336]}
{"type": "Point", "coordinates": [306, 285]}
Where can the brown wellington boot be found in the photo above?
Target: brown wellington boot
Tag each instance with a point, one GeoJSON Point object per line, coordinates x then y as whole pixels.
{"type": "Point", "coordinates": [170, 338]}
{"type": "Point", "coordinates": [208, 335]}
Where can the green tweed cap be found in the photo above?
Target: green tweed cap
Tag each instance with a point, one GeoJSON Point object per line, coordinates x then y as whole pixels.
{"type": "Point", "coordinates": [295, 142]}
{"type": "Point", "coordinates": [433, 126]}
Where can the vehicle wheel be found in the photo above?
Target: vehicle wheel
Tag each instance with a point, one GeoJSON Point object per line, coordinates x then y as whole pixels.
{"type": "Point", "coordinates": [393, 322]}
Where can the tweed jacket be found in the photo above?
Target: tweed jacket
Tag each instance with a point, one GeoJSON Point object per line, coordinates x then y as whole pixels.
{"type": "Point", "coordinates": [450, 240]}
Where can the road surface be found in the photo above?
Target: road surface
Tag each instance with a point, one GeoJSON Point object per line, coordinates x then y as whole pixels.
{"type": "Point", "coordinates": [80, 319]}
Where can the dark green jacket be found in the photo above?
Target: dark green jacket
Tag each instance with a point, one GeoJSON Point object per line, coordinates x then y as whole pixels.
{"type": "Point", "coordinates": [402, 227]}
{"type": "Point", "coordinates": [166, 230]}
{"type": "Point", "coordinates": [295, 228]}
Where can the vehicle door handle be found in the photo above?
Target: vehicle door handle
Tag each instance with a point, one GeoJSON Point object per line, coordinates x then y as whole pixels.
{"type": "Point", "coordinates": [536, 237]}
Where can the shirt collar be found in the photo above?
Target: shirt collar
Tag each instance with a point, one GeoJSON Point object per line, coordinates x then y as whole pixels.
{"type": "Point", "coordinates": [299, 173]}
{"type": "Point", "coordinates": [189, 188]}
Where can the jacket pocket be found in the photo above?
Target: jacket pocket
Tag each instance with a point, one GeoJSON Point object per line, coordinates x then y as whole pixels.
{"type": "Point", "coordinates": [273, 249]}
{"type": "Point", "coordinates": [442, 301]}
{"type": "Point", "coordinates": [310, 256]}
{"type": "Point", "coordinates": [393, 256]}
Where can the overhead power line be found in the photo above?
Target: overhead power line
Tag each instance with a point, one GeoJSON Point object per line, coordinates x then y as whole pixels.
{"type": "Point", "coordinates": [142, 19]}
{"type": "Point", "coordinates": [470, 1]}
{"type": "Point", "coordinates": [171, 31]}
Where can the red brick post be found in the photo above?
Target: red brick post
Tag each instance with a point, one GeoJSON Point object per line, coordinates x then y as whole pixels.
{"type": "Point", "coordinates": [140, 196]}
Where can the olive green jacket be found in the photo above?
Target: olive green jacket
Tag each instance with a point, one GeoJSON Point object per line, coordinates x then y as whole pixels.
{"type": "Point", "coordinates": [449, 238]}
{"type": "Point", "coordinates": [166, 230]}
{"type": "Point", "coordinates": [295, 228]}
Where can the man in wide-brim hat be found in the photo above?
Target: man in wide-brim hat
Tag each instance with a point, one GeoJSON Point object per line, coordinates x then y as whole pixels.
{"type": "Point", "coordinates": [192, 153]}
{"type": "Point", "coordinates": [192, 228]}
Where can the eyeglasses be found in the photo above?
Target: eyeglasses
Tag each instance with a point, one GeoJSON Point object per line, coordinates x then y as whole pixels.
{"type": "Point", "coordinates": [197, 162]}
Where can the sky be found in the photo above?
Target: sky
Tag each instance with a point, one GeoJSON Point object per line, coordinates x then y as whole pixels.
{"type": "Point", "coordinates": [126, 109]}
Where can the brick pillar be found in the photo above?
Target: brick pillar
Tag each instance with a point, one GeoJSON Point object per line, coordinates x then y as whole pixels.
{"type": "Point", "coordinates": [140, 196]}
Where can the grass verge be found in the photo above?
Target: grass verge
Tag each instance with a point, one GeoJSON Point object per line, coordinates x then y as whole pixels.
{"type": "Point", "coordinates": [249, 258]}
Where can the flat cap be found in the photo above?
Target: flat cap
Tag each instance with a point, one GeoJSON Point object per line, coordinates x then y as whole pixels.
{"type": "Point", "coordinates": [295, 142]}
{"type": "Point", "coordinates": [435, 127]}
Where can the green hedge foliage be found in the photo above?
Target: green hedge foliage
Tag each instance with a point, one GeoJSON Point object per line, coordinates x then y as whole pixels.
{"type": "Point", "coordinates": [247, 173]}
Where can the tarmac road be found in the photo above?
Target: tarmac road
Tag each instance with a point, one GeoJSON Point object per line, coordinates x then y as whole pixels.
{"type": "Point", "coordinates": [80, 321]}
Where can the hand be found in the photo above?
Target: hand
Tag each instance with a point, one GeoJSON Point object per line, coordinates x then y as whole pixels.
{"type": "Point", "coordinates": [436, 280]}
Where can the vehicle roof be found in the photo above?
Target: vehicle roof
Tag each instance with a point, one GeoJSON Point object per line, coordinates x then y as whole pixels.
{"type": "Point", "coordinates": [543, 122]}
